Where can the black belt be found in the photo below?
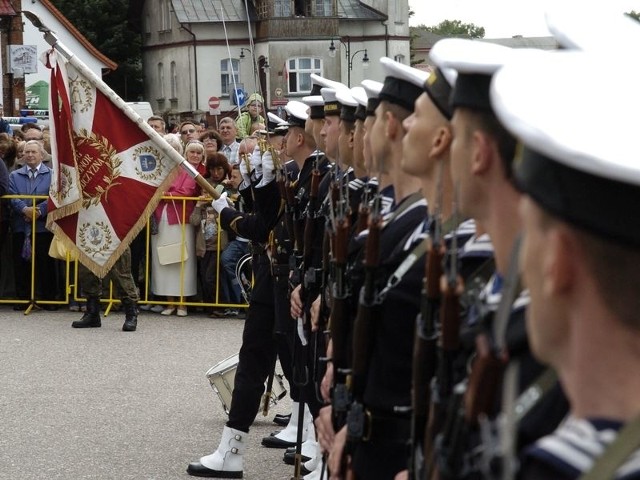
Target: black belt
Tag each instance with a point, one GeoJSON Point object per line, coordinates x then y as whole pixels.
{"type": "Point", "coordinates": [386, 428]}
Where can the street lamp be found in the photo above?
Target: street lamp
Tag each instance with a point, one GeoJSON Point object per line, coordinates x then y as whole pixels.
{"type": "Point", "coordinates": [242, 55]}
{"type": "Point", "coordinates": [349, 56]}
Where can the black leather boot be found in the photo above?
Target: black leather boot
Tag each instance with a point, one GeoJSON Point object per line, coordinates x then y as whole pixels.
{"type": "Point", "coordinates": [131, 315]}
{"type": "Point", "coordinates": [91, 318]}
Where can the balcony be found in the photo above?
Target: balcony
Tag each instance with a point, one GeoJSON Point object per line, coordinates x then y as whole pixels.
{"type": "Point", "coordinates": [297, 28]}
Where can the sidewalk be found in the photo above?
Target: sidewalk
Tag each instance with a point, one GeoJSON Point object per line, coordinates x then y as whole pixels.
{"type": "Point", "coordinates": [105, 404]}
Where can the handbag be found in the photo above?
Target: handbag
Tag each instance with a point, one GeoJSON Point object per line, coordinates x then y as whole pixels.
{"type": "Point", "coordinates": [58, 250]}
{"type": "Point", "coordinates": [172, 253]}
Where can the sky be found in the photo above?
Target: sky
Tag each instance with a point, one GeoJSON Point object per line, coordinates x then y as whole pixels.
{"type": "Point", "coordinates": [500, 18]}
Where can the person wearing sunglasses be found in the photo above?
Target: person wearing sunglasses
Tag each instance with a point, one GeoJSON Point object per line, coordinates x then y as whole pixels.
{"type": "Point", "coordinates": [188, 131]}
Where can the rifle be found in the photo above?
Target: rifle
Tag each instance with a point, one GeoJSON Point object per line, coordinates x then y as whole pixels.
{"type": "Point", "coordinates": [364, 210]}
{"type": "Point", "coordinates": [340, 307]}
{"type": "Point", "coordinates": [364, 326]}
{"type": "Point", "coordinates": [477, 398]}
{"type": "Point", "coordinates": [300, 365]}
{"type": "Point", "coordinates": [424, 348]}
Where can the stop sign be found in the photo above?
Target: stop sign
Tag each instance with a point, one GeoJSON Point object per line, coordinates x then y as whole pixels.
{"type": "Point", "coordinates": [214, 103]}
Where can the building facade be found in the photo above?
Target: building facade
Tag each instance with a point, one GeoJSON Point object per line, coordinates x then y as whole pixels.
{"type": "Point", "coordinates": [197, 54]}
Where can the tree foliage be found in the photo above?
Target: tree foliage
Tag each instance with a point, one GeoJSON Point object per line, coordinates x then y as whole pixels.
{"type": "Point", "coordinates": [455, 28]}
{"type": "Point", "coordinates": [635, 15]}
{"type": "Point", "coordinates": [105, 24]}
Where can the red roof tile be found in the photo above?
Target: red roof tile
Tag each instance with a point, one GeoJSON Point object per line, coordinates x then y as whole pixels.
{"type": "Point", "coordinates": [6, 9]}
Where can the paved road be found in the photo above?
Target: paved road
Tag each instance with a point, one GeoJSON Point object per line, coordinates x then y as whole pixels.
{"type": "Point", "coordinates": [104, 404]}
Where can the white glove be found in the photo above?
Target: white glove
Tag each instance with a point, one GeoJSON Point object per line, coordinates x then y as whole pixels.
{"type": "Point", "coordinates": [268, 169]}
{"type": "Point", "coordinates": [220, 203]}
{"type": "Point", "coordinates": [256, 162]}
{"type": "Point", "coordinates": [245, 173]}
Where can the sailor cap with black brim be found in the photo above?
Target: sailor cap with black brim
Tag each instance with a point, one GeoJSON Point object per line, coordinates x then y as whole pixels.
{"type": "Point", "coordinates": [315, 104]}
{"type": "Point", "coordinates": [398, 87]}
{"type": "Point", "coordinates": [439, 86]}
{"type": "Point", "coordinates": [331, 104]}
{"type": "Point", "coordinates": [580, 168]}
{"type": "Point", "coordinates": [326, 83]}
{"type": "Point", "coordinates": [276, 125]}
{"type": "Point", "coordinates": [372, 88]}
{"type": "Point", "coordinates": [475, 62]}
{"type": "Point", "coordinates": [576, 32]}
{"type": "Point", "coordinates": [360, 95]}
{"type": "Point", "coordinates": [348, 104]}
{"type": "Point", "coordinates": [296, 114]}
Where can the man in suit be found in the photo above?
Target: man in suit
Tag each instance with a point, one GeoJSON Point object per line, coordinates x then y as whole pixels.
{"type": "Point", "coordinates": [34, 178]}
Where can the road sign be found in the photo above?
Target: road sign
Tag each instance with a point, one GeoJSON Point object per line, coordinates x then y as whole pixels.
{"type": "Point", "coordinates": [239, 97]}
{"type": "Point", "coordinates": [214, 103]}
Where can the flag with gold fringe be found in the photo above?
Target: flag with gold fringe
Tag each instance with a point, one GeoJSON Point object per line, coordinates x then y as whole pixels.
{"type": "Point", "coordinates": [109, 171]}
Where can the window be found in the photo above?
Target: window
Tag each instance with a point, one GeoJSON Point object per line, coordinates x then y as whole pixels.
{"type": "Point", "coordinates": [147, 24]}
{"type": "Point", "coordinates": [161, 81]}
{"type": "Point", "coordinates": [165, 15]}
{"type": "Point", "coordinates": [282, 8]}
{"type": "Point", "coordinates": [174, 80]}
{"type": "Point", "coordinates": [298, 73]}
{"type": "Point", "coordinates": [324, 8]}
{"type": "Point", "coordinates": [229, 74]}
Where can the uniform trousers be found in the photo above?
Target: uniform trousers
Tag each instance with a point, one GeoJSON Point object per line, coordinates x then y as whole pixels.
{"type": "Point", "coordinates": [120, 274]}
{"type": "Point", "coordinates": [260, 344]}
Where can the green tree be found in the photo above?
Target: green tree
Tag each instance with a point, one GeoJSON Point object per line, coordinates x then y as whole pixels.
{"type": "Point", "coordinates": [635, 15]}
{"type": "Point", "coordinates": [105, 23]}
{"type": "Point", "coordinates": [455, 28]}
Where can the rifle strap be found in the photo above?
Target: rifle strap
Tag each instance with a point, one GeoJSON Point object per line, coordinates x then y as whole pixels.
{"type": "Point", "coordinates": [404, 205]}
{"type": "Point", "coordinates": [418, 251]}
{"type": "Point", "coordinates": [534, 393]}
{"type": "Point", "coordinates": [627, 441]}
{"type": "Point", "coordinates": [396, 277]}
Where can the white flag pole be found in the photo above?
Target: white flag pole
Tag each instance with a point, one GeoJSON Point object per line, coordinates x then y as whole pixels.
{"type": "Point", "coordinates": [97, 82]}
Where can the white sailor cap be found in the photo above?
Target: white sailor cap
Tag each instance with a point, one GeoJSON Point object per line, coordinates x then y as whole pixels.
{"type": "Point", "coordinates": [475, 62]}
{"type": "Point", "coordinates": [276, 125]}
{"type": "Point", "coordinates": [316, 105]}
{"type": "Point", "coordinates": [296, 113]}
{"type": "Point", "coordinates": [348, 105]}
{"type": "Point", "coordinates": [360, 95]}
{"type": "Point", "coordinates": [331, 104]}
{"type": "Point", "coordinates": [325, 83]}
{"type": "Point", "coordinates": [614, 28]}
{"type": "Point", "coordinates": [588, 174]}
{"type": "Point", "coordinates": [399, 85]}
{"type": "Point", "coordinates": [372, 88]}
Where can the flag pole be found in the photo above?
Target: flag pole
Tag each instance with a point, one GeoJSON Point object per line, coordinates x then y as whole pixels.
{"type": "Point", "coordinates": [97, 82]}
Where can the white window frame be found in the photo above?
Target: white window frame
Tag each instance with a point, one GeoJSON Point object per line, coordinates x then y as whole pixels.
{"type": "Point", "coordinates": [165, 15]}
{"type": "Point", "coordinates": [225, 74]}
{"type": "Point", "coordinates": [298, 72]}
{"type": "Point", "coordinates": [282, 8]}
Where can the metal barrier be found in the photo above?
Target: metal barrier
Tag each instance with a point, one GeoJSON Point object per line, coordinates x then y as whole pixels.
{"type": "Point", "coordinates": [71, 290]}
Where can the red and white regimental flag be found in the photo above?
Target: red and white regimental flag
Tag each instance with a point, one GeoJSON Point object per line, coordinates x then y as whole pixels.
{"type": "Point", "coordinates": [109, 174]}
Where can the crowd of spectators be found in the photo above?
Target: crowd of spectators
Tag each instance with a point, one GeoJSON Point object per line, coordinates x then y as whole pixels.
{"type": "Point", "coordinates": [206, 270]}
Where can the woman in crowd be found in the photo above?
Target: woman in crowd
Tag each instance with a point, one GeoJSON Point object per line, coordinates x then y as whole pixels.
{"type": "Point", "coordinates": [212, 142]}
{"type": "Point", "coordinates": [210, 240]}
{"type": "Point", "coordinates": [176, 279]}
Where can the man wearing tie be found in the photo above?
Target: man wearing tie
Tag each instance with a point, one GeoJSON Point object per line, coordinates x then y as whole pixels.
{"type": "Point", "coordinates": [33, 178]}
